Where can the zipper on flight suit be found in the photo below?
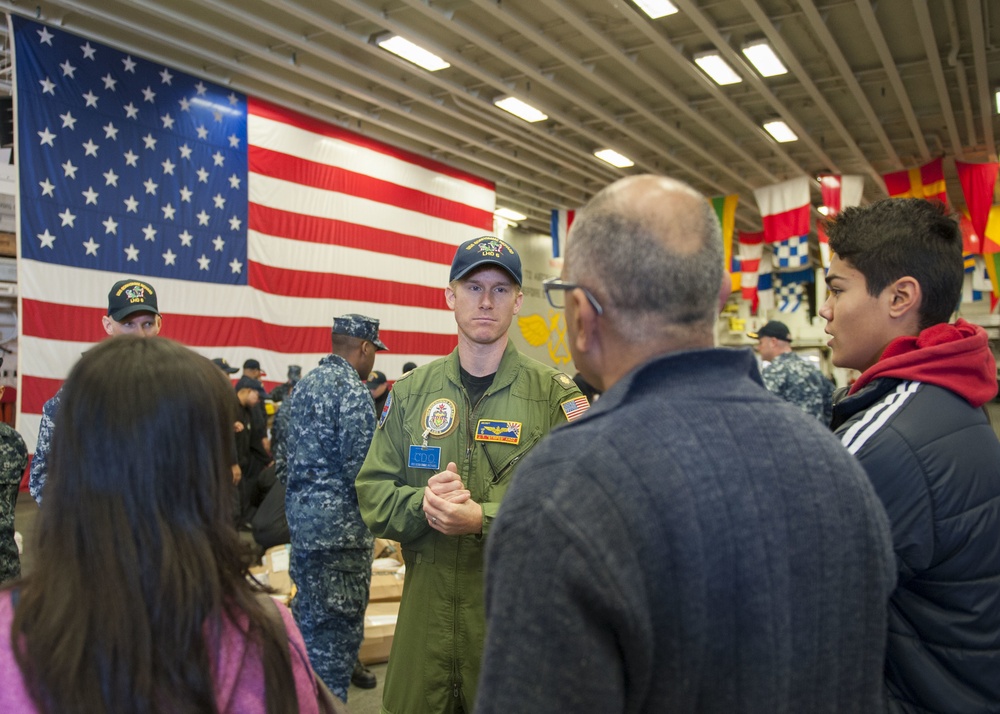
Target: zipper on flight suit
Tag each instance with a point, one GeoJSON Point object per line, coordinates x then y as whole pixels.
{"type": "Point", "coordinates": [456, 687]}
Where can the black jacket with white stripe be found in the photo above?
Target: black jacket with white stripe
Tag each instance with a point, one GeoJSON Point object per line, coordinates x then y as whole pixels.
{"type": "Point", "coordinates": [935, 463]}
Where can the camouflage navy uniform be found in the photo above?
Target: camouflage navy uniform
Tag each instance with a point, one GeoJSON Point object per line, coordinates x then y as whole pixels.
{"type": "Point", "coordinates": [279, 427]}
{"type": "Point", "coordinates": [795, 380]}
{"type": "Point", "coordinates": [13, 459]}
{"type": "Point", "coordinates": [39, 462]}
{"type": "Point", "coordinates": [330, 426]}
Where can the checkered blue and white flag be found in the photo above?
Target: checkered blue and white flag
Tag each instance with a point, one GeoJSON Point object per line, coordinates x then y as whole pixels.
{"type": "Point", "coordinates": [792, 254]}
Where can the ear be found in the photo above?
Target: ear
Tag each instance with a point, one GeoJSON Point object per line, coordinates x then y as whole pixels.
{"type": "Point", "coordinates": [449, 297]}
{"type": "Point", "coordinates": [584, 321]}
{"type": "Point", "coordinates": [517, 302]}
{"type": "Point", "coordinates": [904, 297]}
{"type": "Point", "coordinates": [108, 324]}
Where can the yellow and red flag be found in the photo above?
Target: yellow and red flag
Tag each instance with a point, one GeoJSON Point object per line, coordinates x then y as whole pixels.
{"type": "Point", "coordinates": [925, 181]}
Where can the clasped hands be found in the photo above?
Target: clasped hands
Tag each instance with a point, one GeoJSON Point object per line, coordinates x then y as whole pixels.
{"type": "Point", "coordinates": [448, 505]}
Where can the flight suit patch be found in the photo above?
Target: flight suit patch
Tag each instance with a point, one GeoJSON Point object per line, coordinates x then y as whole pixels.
{"type": "Point", "coordinates": [505, 432]}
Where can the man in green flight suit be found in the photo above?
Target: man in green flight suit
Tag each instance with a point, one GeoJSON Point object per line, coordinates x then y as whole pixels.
{"type": "Point", "coordinates": [446, 444]}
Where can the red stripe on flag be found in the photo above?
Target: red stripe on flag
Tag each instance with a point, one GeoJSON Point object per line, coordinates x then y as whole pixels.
{"type": "Point", "coordinates": [213, 331]}
{"type": "Point", "coordinates": [54, 321]}
{"type": "Point", "coordinates": [331, 178]}
{"type": "Point", "coordinates": [261, 108]}
{"type": "Point", "coordinates": [298, 283]}
{"type": "Point", "coordinates": [328, 231]}
{"type": "Point", "coordinates": [35, 391]}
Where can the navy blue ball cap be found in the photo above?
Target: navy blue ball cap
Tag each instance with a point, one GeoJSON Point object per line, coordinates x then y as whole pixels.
{"type": "Point", "coordinates": [130, 296]}
{"type": "Point", "coordinates": [486, 250]}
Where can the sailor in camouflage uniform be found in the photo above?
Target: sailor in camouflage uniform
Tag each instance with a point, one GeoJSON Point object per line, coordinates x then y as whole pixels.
{"type": "Point", "coordinates": [132, 310]}
{"type": "Point", "coordinates": [791, 377]}
{"type": "Point", "coordinates": [329, 428]}
{"type": "Point", "coordinates": [13, 460]}
{"type": "Point", "coordinates": [281, 392]}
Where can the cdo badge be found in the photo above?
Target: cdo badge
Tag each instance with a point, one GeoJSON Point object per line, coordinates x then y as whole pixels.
{"type": "Point", "coordinates": [441, 418]}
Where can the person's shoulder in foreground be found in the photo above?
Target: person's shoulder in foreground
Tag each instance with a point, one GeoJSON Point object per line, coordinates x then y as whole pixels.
{"type": "Point", "coordinates": [679, 575]}
{"type": "Point", "coordinates": [915, 420]}
{"type": "Point", "coordinates": [156, 510]}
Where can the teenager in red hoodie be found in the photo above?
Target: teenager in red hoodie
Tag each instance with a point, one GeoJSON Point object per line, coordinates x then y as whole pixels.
{"type": "Point", "coordinates": [914, 419]}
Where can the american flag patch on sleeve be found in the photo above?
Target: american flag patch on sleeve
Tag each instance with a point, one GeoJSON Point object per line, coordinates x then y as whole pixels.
{"type": "Point", "coordinates": [574, 408]}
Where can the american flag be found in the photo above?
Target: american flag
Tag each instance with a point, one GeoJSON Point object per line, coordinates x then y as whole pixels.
{"type": "Point", "coordinates": [256, 225]}
{"type": "Point", "coordinates": [574, 408]}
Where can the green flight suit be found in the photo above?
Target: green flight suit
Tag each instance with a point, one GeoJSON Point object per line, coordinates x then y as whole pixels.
{"type": "Point", "coordinates": [437, 648]}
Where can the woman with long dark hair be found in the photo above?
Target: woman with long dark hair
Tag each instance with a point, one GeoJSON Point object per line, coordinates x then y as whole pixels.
{"type": "Point", "coordinates": [139, 599]}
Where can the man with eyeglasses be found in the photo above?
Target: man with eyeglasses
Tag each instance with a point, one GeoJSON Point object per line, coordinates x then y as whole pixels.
{"type": "Point", "coordinates": [132, 310]}
{"type": "Point", "coordinates": [664, 553]}
{"type": "Point", "coordinates": [445, 449]}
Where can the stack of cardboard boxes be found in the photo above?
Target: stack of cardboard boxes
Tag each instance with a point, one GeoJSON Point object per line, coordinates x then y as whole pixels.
{"type": "Point", "coordinates": [383, 607]}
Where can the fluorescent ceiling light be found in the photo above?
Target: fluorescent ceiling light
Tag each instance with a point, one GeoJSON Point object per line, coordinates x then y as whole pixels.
{"type": "Point", "coordinates": [764, 59]}
{"type": "Point", "coordinates": [614, 158]}
{"type": "Point", "coordinates": [520, 109]}
{"type": "Point", "coordinates": [716, 68]}
{"type": "Point", "coordinates": [412, 53]}
{"type": "Point", "coordinates": [780, 131]}
{"type": "Point", "coordinates": [509, 214]}
{"type": "Point", "coordinates": [656, 8]}
{"type": "Point", "coordinates": [997, 95]}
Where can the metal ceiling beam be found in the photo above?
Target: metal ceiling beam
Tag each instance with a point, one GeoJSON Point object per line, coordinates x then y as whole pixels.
{"type": "Point", "coordinates": [663, 44]}
{"type": "Point", "coordinates": [836, 57]}
{"type": "Point", "coordinates": [581, 25]}
{"type": "Point", "coordinates": [737, 61]}
{"type": "Point", "coordinates": [961, 83]}
{"type": "Point", "coordinates": [871, 24]}
{"type": "Point", "coordinates": [978, 29]}
{"type": "Point", "coordinates": [923, 16]}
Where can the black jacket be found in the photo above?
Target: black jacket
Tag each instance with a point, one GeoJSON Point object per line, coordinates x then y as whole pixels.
{"type": "Point", "coordinates": [935, 463]}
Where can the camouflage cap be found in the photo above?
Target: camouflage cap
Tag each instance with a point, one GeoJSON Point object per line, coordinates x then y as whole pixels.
{"type": "Point", "coordinates": [294, 373]}
{"type": "Point", "coordinates": [129, 296]}
{"type": "Point", "coordinates": [360, 326]}
{"type": "Point", "coordinates": [484, 251]}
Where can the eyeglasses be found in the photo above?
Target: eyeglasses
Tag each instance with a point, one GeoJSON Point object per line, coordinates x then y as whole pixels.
{"type": "Point", "coordinates": [555, 287]}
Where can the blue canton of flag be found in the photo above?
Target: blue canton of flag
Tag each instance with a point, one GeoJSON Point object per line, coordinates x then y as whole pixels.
{"type": "Point", "coordinates": [792, 253]}
{"type": "Point", "coordinates": [125, 165]}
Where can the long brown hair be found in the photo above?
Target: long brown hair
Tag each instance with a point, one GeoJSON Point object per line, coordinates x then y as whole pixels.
{"type": "Point", "coordinates": [137, 558]}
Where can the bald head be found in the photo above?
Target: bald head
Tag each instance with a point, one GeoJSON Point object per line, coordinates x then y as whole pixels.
{"type": "Point", "coordinates": [650, 247]}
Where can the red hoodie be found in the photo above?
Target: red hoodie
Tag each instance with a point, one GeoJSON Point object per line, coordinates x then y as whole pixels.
{"type": "Point", "coordinates": [956, 357]}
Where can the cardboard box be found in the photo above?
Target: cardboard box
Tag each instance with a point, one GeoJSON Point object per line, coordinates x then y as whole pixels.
{"type": "Point", "coordinates": [380, 626]}
{"type": "Point", "coordinates": [275, 562]}
{"type": "Point", "coordinates": [385, 587]}
{"type": "Point", "coordinates": [388, 549]}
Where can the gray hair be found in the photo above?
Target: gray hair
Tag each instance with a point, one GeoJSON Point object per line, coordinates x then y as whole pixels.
{"type": "Point", "coordinates": [628, 261]}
